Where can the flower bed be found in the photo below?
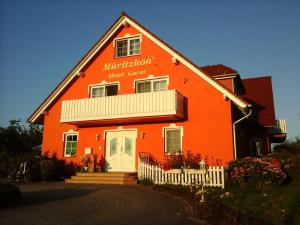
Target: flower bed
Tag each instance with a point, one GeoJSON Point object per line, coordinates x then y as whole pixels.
{"type": "Point", "coordinates": [261, 171]}
{"type": "Point", "coordinates": [174, 161]}
{"type": "Point", "coordinates": [212, 211]}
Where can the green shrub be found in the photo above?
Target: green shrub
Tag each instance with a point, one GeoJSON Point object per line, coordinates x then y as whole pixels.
{"type": "Point", "coordinates": [10, 167]}
{"type": "Point", "coordinates": [32, 172]}
{"type": "Point", "coordinates": [176, 188]}
{"type": "Point", "coordinates": [258, 171]}
{"type": "Point", "coordinates": [54, 169]}
{"type": "Point", "coordinates": [292, 146]}
{"type": "Point", "coordinates": [70, 169]}
{"type": "Point", "coordinates": [9, 195]}
{"type": "Point", "coordinates": [5, 164]}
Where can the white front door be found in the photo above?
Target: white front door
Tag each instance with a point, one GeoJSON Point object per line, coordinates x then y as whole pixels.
{"type": "Point", "coordinates": [120, 151]}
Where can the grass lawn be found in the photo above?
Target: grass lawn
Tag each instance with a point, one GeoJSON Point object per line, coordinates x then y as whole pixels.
{"type": "Point", "coordinates": [272, 204]}
{"type": "Point", "coordinates": [278, 205]}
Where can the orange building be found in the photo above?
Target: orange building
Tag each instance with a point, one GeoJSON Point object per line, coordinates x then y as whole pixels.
{"type": "Point", "coordinates": [132, 93]}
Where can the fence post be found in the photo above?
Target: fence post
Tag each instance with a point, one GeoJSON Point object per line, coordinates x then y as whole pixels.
{"type": "Point", "coordinates": [151, 172]}
{"type": "Point", "coordinates": [222, 177]}
{"type": "Point", "coordinates": [185, 177]}
{"type": "Point", "coordinates": [146, 171]}
{"type": "Point", "coordinates": [218, 175]}
{"type": "Point", "coordinates": [140, 173]}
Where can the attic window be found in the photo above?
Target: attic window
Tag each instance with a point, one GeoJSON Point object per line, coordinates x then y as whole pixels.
{"type": "Point", "coordinates": [128, 47]}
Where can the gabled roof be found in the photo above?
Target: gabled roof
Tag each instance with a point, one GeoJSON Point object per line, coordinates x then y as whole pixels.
{"type": "Point", "coordinates": [124, 19]}
{"type": "Point", "coordinates": [218, 70]}
{"type": "Point", "coordinates": [258, 91]}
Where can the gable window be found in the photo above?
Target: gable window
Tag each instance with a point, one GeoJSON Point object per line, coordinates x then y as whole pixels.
{"type": "Point", "coordinates": [128, 47]}
{"type": "Point", "coordinates": [173, 140]}
{"type": "Point", "coordinates": [104, 90]}
{"type": "Point", "coordinates": [143, 86]}
{"type": "Point", "coordinates": [70, 144]}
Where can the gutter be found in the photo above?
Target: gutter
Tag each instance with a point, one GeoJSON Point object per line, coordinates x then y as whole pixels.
{"type": "Point", "coordinates": [234, 131]}
{"type": "Point", "coordinates": [223, 76]}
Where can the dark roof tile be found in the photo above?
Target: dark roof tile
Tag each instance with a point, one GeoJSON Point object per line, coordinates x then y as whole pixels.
{"type": "Point", "coordinates": [218, 70]}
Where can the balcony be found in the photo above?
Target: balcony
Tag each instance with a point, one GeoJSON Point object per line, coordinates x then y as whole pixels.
{"type": "Point", "coordinates": [280, 127]}
{"type": "Point", "coordinates": [278, 132]}
{"type": "Point", "coordinates": [150, 106]}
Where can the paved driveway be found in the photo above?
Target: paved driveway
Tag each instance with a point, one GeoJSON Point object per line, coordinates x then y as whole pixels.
{"type": "Point", "coordinates": [66, 204]}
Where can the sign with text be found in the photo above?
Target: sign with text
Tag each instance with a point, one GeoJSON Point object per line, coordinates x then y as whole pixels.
{"type": "Point", "coordinates": [127, 64]}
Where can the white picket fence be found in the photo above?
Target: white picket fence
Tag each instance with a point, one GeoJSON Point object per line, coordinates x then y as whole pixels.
{"type": "Point", "coordinates": [214, 177]}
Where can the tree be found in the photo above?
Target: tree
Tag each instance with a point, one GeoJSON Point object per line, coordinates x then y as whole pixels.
{"type": "Point", "coordinates": [16, 146]}
{"type": "Point", "coordinates": [16, 138]}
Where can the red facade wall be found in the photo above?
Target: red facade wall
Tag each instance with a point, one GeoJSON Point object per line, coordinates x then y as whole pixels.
{"type": "Point", "coordinates": [207, 128]}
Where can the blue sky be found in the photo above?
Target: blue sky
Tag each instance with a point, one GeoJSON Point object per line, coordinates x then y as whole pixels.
{"type": "Point", "coordinates": [41, 41]}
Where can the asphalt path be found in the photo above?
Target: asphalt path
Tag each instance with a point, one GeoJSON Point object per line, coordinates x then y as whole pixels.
{"type": "Point", "coordinates": [78, 204]}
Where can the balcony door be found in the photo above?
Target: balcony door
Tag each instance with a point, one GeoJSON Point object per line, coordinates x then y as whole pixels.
{"type": "Point", "coordinates": [120, 151]}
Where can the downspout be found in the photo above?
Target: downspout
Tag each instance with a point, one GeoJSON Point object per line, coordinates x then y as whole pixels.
{"type": "Point", "coordinates": [234, 131]}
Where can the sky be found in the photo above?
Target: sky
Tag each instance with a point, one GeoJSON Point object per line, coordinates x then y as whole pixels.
{"type": "Point", "coordinates": [42, 40]}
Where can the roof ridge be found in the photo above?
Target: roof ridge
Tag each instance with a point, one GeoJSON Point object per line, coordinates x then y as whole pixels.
{"type": "Point", "coordinates": [219, 64]}
{"type": "Point", "coordinates": [252, 78]}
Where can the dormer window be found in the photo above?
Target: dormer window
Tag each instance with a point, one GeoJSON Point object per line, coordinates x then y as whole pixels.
{"type": "Point", "coordinates": [128, 47]}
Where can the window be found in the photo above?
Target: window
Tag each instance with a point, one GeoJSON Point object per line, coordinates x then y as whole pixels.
{"type": "Point", "coordinates": [128, 146]}
{"type": "Point", "coordinates": [113, 147]}
{"type": "Point", "coordinates": [151, 85]}
{"type": "Point", "coordinates": [173, 141]}
{"type": "Point", "coordinates": [97, 91]}
{"type": "Point", "coordinates": [143, 86]}
{"type": "Point", "coordinates": [134, 46]}
{"type": "Point", "coordinates": [70, 144]}
{"type": "Point", "coordinates": [128, 47]}
{"type": "Point", "coordinates": [104, 90]}
{"type": "Point", "coordinates": [159, 85]}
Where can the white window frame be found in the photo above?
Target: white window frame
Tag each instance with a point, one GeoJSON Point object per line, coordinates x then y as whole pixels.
{"type": "Point", "coordinates": [128, 38]}
{"type": "Point", "coordinates": [69, 133]}
{"type": "Point", "coordinates": [102, 84]}
{"type": "Point", "coordinates": [152, 79]}
{"type": "Point", "coordinates": [172, 127]}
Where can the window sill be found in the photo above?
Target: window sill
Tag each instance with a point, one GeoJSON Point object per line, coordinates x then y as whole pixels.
{"type": "Point", "coordinates": [173, 154]}
{"type": "Point", "coordinates": [121, 57]}
{"type": "Point", "coordinates": [70, 156]}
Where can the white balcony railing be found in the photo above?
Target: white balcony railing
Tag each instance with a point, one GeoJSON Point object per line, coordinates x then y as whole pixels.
{"type": "Point", "coordinates": [280, 127]}
{"type": "Point", "coordinates": [161, 103]}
